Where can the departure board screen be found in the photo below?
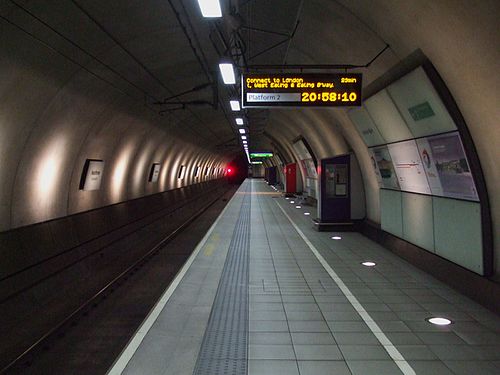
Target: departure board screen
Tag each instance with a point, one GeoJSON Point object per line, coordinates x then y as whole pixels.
{"type": "Point", "coordinates": [301, 90]}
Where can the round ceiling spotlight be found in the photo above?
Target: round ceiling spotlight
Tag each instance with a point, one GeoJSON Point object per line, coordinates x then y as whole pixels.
{"type": "Point", "coordinates": [369, 264]}
{"type": "Point", "coordinates": [336, 238]}
{"type": "Point", "coordinates": [439, 321]}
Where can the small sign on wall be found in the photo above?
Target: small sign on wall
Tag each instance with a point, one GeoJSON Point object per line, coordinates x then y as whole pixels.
{"type": "Point", "coordinates": [154, 173]}
{"type": "Point", "coordinates": [92, 175]}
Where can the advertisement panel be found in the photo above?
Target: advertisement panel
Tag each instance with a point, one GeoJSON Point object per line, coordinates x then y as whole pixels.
{"type": "Point", "coordinates": [408, 167]}
{"type": "Point", "coordinates": [445, 156]}
{"type": "Point", "coordinates": [385, 168]}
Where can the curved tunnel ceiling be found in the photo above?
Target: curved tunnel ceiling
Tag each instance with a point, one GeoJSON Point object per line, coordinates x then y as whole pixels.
{"type": "Point", "coordinates": [152, 50]}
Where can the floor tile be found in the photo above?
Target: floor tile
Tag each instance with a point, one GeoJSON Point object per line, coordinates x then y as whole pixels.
{"type": "Point", "coordinates": [323, 368]}
{"type": "Point", "coordinates": [416, 352]}
{"type": "Point", "coordinates": [272, 367]}
{"type": "Point", "coordinates": [318, 352]}
{"type": "Point", "coordinates": [440, 338]}
{"type": "Point", "coordinates": [373, 367]}
{"type": "Point", "coordinates": [305, 315]}
{"type": "Point", "coordinates": [270, 338]}
{"type": "Point", "coordinates": [268, 326]}
{"type": "Point", "coordinates": [367, 352]}
{"type": "Point", "coordinates": [266, 306]}
{"type": "Point", "coordinates": [473, 367]}
{"type": "Point", "coordinates": [267, 315]}
{"type": "Point", "coordinates": [355, 338]}
{"type": "Point", "coordinates": [311, 338]}
{"type": "Point", "coordinates": [300, 307]}
{"type": "Point", "coordinates": [430, 368]}
{"type": "Point", "coordinates": [308, 326]}
{"type": "Point", "coordinates": [261, 351]}
{"type": "Point", "coordinates": [348, 326]}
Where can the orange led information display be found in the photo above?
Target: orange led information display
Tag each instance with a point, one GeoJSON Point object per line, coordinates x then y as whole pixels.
{"type": "Point", "coordinates": [301, 90]}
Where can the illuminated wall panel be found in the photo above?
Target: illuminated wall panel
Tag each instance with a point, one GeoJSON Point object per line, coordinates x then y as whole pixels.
{"type": "Point", "coordinates": [366, 127]}
{"type": "Point", "coordinates": [392, 213]}
{"type": "Point", "coordinates": [420, 105]}
{"type": "Point", "coordinates": [418, 222]}
{"type": "Point", "coordinates": [387, 118]}
{"type": "Point", "coordinates": [460, 242]}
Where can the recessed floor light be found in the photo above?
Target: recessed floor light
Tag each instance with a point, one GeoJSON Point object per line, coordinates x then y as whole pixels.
{"type": "Point", "coordinates": [306, 213]}
{"type": "Point", "coordinates": [369, 264]}
{"type": "Point", "coordinates": [336, 238]}
{"type": "Point", "coordinates": [439, 321]}
{"type": "Point", "coordinates": [298, 206]}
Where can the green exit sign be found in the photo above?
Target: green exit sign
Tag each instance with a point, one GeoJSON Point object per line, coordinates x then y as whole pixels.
{"type": "Point", "coordinates": [255, 155]}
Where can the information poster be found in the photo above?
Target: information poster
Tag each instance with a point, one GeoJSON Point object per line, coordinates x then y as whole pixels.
{"type": "Point", "coordinates": [92, 175]}
{"type": "Point", "coordinates": [408, 167]}
{"type": "Point", "coordinates": [448, 157]}
{"type": "Point", "coordinates": [154, 173]}
{"type": "Point", "coordinates": [429, 166]}
{"type": "Point", "coordinates": [383, 160]}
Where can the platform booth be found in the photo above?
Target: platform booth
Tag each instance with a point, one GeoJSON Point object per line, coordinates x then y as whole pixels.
{"type": "Point", "coordinates": [290, 171]}
{"type": "Point", "coordinates": [334, 201]}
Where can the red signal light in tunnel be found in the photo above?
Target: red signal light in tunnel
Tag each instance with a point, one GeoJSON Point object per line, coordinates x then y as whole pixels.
{"type": "Point", "coordinates": [230, 171]}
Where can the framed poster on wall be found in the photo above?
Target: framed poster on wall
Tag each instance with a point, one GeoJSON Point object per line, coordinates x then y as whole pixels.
{"type": "Point", "coordinates": [386, 172]}
{"type": "Point", "coordinates": [447, 167]}
{"type": "Point", "coordinates": [154, 173]}
{"type": "Point", "coordinates": [92, 175]}
{"type": "Point", "coordinates": [408, 167]}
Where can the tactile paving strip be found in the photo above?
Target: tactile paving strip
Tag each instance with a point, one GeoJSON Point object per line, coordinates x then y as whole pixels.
{"type": "Point", "coordinates": [225, 343]}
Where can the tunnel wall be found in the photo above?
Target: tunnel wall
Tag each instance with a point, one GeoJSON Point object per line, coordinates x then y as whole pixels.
{"type": "Point", "coordinates": [54, 115]}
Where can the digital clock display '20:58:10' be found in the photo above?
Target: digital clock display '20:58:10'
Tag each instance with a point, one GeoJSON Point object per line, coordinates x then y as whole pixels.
{"type": "Point", "coordinates": [327, 96]}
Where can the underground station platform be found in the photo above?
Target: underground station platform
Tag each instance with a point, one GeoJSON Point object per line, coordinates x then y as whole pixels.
{"type": "Point", "coordinates": [264, 293]}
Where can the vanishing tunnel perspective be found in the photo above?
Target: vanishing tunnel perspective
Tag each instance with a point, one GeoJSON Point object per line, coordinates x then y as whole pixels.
{"type": "Point", "coordinates": [249, 187]}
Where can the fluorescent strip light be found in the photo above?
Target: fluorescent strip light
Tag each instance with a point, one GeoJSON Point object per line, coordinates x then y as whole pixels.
{"type": "Point", "coordinates": [235, 105]}
{"type": "Point", "coordinates": [239, 121]}
{"type": "Point", "coordinates": [242, 131]}
{"type": "Point", "coordinates": [210, 8]}
{"type": "Point", "coordinates": [243, 137]}
{"type": "Point", "coordinates": [227, 72]}
{"type": "Point", "coordinates": [245, 142]}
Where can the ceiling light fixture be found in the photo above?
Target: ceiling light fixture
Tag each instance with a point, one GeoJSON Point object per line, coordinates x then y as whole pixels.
{"type": "Point", "coordinates": [239, 121]}
{"type": "Point", "coordinates": [369, 264]}
{"type": "Point", "coordinates": [210, 8]}
{"type": "Point", "coordinates": [235, 105]}
{"type": "Point", "coordinates": [227, 72]}
{"type": "Point", "coordinates": [243, 137]}
{"type": "Point", "coordinates": [242, 131]}
{"type": "Point", "coordinates": [336, 238]}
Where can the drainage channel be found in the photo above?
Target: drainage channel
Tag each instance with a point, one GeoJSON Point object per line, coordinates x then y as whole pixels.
{"type": "Point", "coordinates": [225, 342]}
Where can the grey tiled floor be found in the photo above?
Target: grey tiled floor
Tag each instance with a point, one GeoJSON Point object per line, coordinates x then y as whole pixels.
{"type": "Point", "coordinates": [301, 322]}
